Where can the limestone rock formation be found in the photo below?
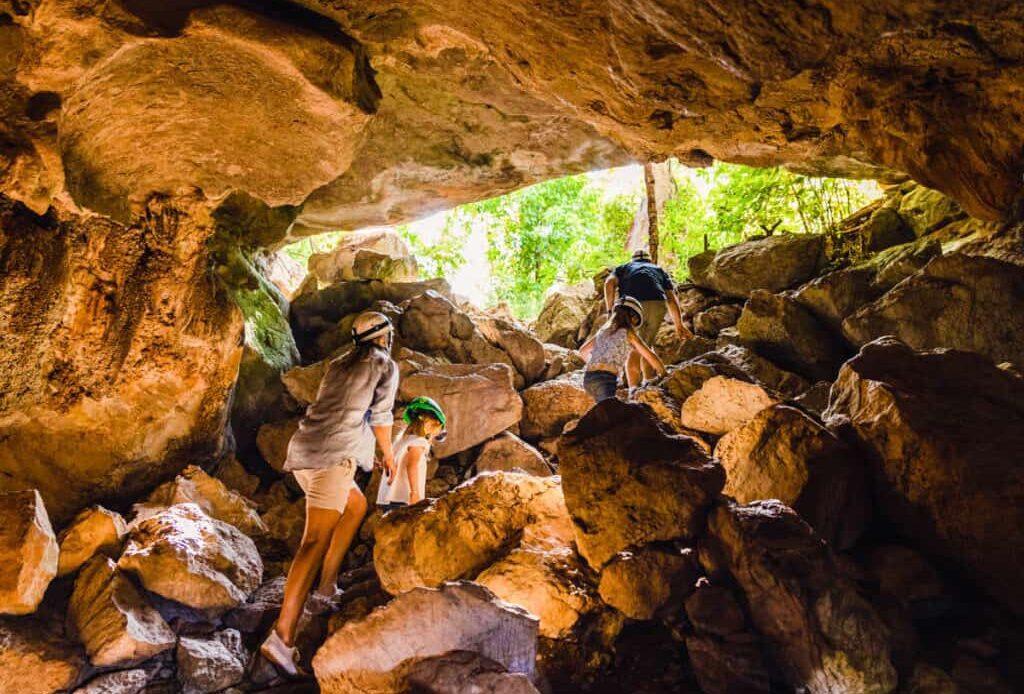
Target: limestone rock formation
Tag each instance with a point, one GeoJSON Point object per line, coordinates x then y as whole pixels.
{"type": "Point", "coordinates": [119, 682]}
{"type": "Point", "coordinates": [550, 583]}
{"type": "Point", "coordinates": [431, 323]}
{"type": "Point", "coordinates": [78, 352]}
{"type": "Point", "coordinates": [464, 531]}
{"type": "Point", "coordinates": [564, 311]}
{"type": "Point", "coordinates": [211, 664]}
{"type": "Point", "coordinates": [639, 584]}
{"type": "Point", "coordinates": [736, 362]}
{"type": "Point", "coordinates": [833, 297]}
{"type": "Point", "coordinates": [508, 453]}
{"type": "Point", "coordinates": [713, 320]}
{"type": "Point", "coordinates": [959, 301]}
{"type": "Point", "coordinates": [185, 555]}
{"type": "Point", "coordinates": [115, 623]}
{"type": "Point", "coordinates": [194, 486]}
{"type": "Point", "coordinates": [560, 360]}
{"type": "Point", "coordinates": [273, 437]}
{"type": "Point", "coordinates": [235, 477]}
{"type": "Point", "coordinates": [526, 351]}
{"type": "Point", "coordinates": [549, 406]}
{"type": "Point", "coordinates": [464, 671]}
{"type": "Point", "coordinates": [772, 263]}
{"type": "Point", "coordinates": [36, 659]}
{"type": "Point", "coordinates": [783, 454]}
{"type": "Point", "coordinates": [824, 635]}
{"type": "Point", "coordinates": [28, 552]}
{"type": "Point", "coordinates": [376, 653]}
{"type": "Point", "coordinates": [627, 482]}
{"type": "Point", "coordinates": [946, 429]}
{"type": "Point", "coordinates": [94, 530]}
{"type": "Point", "coordinates": [779, 328]}
{"type": "Point", "coordinates": [374, 254]}
{"type": "Point", "coordinates": [721, 404]}
{"type": "Point", "coordinates": [479, 401]}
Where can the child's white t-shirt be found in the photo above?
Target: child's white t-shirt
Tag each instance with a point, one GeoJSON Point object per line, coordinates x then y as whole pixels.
{"type": "Point", "coordinates": [397, 490]}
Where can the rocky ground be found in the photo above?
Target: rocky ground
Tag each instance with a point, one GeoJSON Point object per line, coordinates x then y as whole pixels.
{"type": "Point", "coordinates": [824, 494]}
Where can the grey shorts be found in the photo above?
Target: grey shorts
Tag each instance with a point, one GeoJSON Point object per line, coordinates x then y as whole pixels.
{"type": "Point", "coordinates": [327, 487]}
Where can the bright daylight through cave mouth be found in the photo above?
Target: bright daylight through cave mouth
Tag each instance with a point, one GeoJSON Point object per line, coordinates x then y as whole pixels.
{"type": "Point", "coordinates": [511, 347]}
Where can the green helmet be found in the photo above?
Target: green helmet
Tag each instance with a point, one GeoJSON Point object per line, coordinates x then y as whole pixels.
{"type": "Point", "coordinates": [424, 404]}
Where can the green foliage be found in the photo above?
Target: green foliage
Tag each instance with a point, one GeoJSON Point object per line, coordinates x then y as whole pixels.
{"type": "Point", "coordinates": [740, 202]}
{"type": "Point", "coordinates": [561, 230]}
{"type": "Point", "coordinates": [321, 243]}
{"type": "Point", "coordinates": [442, 257]}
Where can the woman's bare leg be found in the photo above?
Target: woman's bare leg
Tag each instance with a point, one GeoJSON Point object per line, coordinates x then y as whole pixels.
{"type": "Point", "coordinates": [341, 539]}
{"type": "Point", "coordinates": [316, 538]}
{"type": "Point", "coordinates": [633, 367]}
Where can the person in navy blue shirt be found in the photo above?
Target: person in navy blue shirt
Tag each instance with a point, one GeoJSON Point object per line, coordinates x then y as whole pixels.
{"type": "Point", "coordinates": [649, 284]}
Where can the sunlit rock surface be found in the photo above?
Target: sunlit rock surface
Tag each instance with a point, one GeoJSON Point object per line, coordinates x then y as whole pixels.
{"type": "Point", "coordinates": [95, 529]}
{"type": "Point", "coordinates": [28, 552]}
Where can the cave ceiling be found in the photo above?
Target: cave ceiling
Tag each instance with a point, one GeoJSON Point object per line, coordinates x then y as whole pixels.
{"type": "Point", "coordinates": [364, 113]}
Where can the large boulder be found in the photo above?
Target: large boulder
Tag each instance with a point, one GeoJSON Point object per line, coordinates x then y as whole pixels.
{"type": "Point", "coordinates": [480, 401]}
{"type": "Point", "coordinates": [322, 310]}
{"type": "Point", "coordinates": [526, 351]}
{"type": "Point", "coordinates": [36, 659]}
{"type": "Point", "coordinates": [376, 653]}
{"type": "Point", "coordinates": [563, 313]}
{"type": "Point", "coordinates": [28, 552]}
{"type": "Point", "coordinates": [833, 297]}
{"type": "Point", "coordinates": [783, 454]}
{"type": "Point", "coordinates": [371, 254]}
{"type": "Point", "coordinates": [772, 263]}
{"type": "Point", "coordinates": [560, 360]}
{"type": "Point", "coordinates": [824, 636]}
{"type": "Point", "coordinates": [211, 664]}
{"type": "Point", "coordinates": [925, 210]}
{"type": "Point", "coordinates": [946, 431]}
{"type": "Point", "coordinates": [550, 583]}
{"type": "Point", "coordinates": [711, 321]}
{"type": "Point", "coordinates": [957, 300]}
{"type": "Point", "coordinates": [733, 361]}
{"type": "Point", "coordinates": [184, 555]}
{"type": "Point", "coordinates": [640, 583]}
{"type": "Point", "coordinates": [629, 482]}
{"type": "Point", "coordinates": [112, 619]}
{"type": "Point", "coordinates": [194, 486]}
{"type": "Point", "coordinates": [119, 682]}
{"type": "Point", "coordinates": [782, 330]}
{"type": "Point", "coordinates": [94, 530]}
{"type": "Point", "coordinates": [721, 404]}
{"type": "Point", "coordinates": [466, 530]}
{"type": "Point", "coordinates": [273, 437]}
{"type": "Point", "coordinates": [464, 671]}
{"type": "Point", "coordinates": [549, 406]}
{"type": "Point", "coordinates": [508, 453]}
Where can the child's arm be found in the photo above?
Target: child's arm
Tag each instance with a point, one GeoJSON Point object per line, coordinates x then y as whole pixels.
{"type": "Point", "coordinates": [640, 346]}
{"type": "Point", "coordinates": [412, 461]}
{"type": "Point", "coordinates": [587, 348]}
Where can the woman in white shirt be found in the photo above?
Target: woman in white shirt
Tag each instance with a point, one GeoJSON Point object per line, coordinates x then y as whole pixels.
{"type": "Point", "coordinates": [426, 424]}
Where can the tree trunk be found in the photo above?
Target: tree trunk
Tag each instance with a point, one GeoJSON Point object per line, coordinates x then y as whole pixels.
{"type": "Point", "coordinates": [652, 211]}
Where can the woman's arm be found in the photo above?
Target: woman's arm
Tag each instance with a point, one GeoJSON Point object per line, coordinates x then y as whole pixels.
{"type": "Point", "coordinates": [412, 461]}
{"type": "Point", "coordinates": [640, 346]}
{"type": "Point", "coordinates": [381, 417]}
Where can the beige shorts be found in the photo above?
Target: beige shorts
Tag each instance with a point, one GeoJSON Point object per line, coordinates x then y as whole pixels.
{"type": "Point", "coordinates": [654, 316]}
{"type": "Point", "coordinates": [327, 487]}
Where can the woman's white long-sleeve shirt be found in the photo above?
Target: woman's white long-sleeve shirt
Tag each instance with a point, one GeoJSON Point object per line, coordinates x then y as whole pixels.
{"type": "Point", "coordinates": [353, 397]}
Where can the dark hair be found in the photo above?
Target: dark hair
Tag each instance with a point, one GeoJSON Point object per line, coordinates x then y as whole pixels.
{"type": "Point", "coordinates": [621, 318]}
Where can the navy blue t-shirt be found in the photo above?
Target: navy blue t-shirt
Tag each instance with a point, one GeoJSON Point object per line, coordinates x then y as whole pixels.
{"type": "Point", "coordinates": [643, 281]}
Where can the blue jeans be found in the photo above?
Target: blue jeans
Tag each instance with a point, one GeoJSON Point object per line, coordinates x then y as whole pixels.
{"type": "Point", "coordinates": [600, 385]}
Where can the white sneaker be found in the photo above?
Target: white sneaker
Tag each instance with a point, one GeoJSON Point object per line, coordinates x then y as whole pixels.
{"type": "Point", "coordinates": [279, 654]}
{"type": "Point", "coordinates": [318, 603]}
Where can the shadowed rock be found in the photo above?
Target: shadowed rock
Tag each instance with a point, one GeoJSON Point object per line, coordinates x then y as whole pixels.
{"type": "Point", "coordinates": [946, 431]}
{"type": "Point", "coordinates": [628, 482]}
{"type": "Point", "coordinates": [773, 263]}
{"type": "Point", "coordinates": [36, 659]}
{"type": "Point", "coordinates": [508, 453]}
{"type": "Point", "coordinates": [822, 634]}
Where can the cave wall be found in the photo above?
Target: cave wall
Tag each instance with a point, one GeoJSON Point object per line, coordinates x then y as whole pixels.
{"type": "Point", "coordinates": [119, 353]}
{"type": "Point", "coordinates": [127, 126]}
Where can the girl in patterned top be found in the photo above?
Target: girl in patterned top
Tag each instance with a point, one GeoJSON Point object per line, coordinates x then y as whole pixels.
{"type": "Point", "coordinates": [607, 351]}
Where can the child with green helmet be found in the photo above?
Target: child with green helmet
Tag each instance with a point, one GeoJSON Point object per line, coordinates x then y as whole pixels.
{"type": "Point", "coordinates": [426, 424]}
